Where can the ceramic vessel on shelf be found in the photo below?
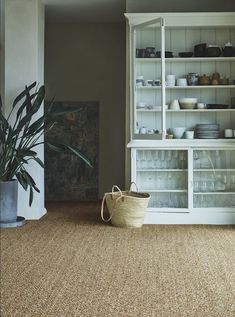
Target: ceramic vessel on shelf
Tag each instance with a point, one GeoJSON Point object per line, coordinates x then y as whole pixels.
{"type": "Point", "coordinates": [204, 80]}
{"type": "Point", "coordinates": [174, 105]}
{"type": "Point", "coordinates": [200, 50]}
{"type": "Point", "coordinates": [201, 105]}
{"type": "Point", "coordinates": [178, 132]}
{"type": "Point", "coordinates": [224, 81]}
{"type": "Point", "coordinates": [215, 79]}
{"type": "Point", "coordinates": [181, 82]}
{"type": "Point", "coordinates": [229, 50]}
{"type": "Point", "coordinates": [213, 51]}
{"type": "Point", "coordinates": [189, 134]}
{"type": "Point", "coordinates": [192, 79]}
{"type": "Point", "coordinates": [188, 103]}
{"type": "Point", "coordinates": [150, 52]}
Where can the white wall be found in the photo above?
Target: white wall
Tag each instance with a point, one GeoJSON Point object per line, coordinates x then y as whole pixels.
{"type": "Point", "coordinates": [86, 62]}
{"type": "Point", "coordinates": [23, 59]}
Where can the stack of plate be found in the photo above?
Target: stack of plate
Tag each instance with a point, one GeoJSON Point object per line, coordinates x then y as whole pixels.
{"type": "Point", "coordinates": [207, 131]}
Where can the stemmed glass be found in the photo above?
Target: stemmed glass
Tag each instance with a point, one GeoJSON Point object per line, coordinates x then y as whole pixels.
{"type": "Point", "coordinates": [156, 159]}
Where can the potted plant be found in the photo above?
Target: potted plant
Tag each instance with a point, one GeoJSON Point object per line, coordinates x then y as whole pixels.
{"type": "Point", "coordinates": [20, 134]}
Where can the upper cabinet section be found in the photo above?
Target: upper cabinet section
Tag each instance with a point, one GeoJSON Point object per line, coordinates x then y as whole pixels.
{"type": "Point", "coordinates": [191, 83]}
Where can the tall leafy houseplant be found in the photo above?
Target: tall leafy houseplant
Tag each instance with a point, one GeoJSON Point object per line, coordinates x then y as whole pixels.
{"type": "Point", "coordinates": [20, 134]}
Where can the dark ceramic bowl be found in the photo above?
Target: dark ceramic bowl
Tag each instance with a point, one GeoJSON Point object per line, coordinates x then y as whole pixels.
{"type": "Point", "coordinates": [213, 51]}
{"type": "Point", "coordinates": [200, 50]}
{"type": "Point", "coordinates": [185, 54]}
{"type": "Point", "coordinates": [167, 54]}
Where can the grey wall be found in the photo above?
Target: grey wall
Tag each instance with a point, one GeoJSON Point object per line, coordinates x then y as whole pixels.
{"type": "Point", "coordinates": [86, 62]}
{"type": "Point", "coordinates": [180, 6]}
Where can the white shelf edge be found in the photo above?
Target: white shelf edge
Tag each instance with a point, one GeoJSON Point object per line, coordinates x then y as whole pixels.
{"type": "Point", "coordinates": [161, 170]}
{"type": "Point", "coordinates": [187, 110]}
{"type": "Point", "coordinates": [187, 87]}
{"type": "Point", "coordinates": [215, 170]}
{"type": "Point", "coordinates": [213, 193]}
{"type": "Point", "coordinates": [187, 59]}
{"type": "Point", "coordinates": [164, 190]}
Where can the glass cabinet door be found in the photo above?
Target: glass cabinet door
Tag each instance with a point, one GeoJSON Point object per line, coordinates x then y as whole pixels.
{"type": "Point", "coordinates": [148, 80]}
{"type": "Point", "coordinates": [214, 178]}
{"type": "Point", "coordinates": [164, 174]}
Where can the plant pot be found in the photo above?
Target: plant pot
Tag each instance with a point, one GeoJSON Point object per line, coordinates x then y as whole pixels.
{"type": "Point", "coordinates": [8, 205]}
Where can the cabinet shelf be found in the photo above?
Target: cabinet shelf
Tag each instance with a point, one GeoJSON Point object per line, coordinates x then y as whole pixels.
{"type": "Point", "coordinates": [215, 170]}
{"type": "Point", "coordinates": [187, 87]}
{"type": "Point", "coordinates": [186, 59]}
{"type": "Point", "coordinates": [165, 190]}
{"type": "Point", "coordinates": [161, 170]}
{"type": "Point", "coordinates": [187, 110]}
{"type": "Point", "coordinates": [213, 193]}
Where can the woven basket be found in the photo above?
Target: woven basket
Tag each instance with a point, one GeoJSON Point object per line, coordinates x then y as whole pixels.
{"type": "Point", "coordinates": [126, 208]}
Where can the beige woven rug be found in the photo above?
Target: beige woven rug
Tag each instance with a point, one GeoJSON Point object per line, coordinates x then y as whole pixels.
{"type": "Point", "coordinates": [71, 264]}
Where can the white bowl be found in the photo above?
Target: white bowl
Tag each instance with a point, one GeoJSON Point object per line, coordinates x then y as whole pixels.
{"type": "Point", "coordinates": [188, 103]}
{"type": "Point", "coordinates": [178, 132]}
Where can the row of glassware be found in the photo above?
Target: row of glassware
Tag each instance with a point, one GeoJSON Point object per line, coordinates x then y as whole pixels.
{"type": "Point", "coordinates": [161, 159]}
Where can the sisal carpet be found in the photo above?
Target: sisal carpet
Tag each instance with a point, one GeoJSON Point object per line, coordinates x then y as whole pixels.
{"type": "Point", "coordinates": [71, 264]}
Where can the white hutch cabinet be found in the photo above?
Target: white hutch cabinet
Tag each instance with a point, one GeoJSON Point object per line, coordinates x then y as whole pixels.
{"type": "Point", "coordinates": [190, 180]}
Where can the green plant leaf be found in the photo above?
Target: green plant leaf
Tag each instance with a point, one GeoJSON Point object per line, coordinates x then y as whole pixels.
{"type": "Point", "coordinates": [23, 94]}
{"type": "Point", "coordinates": [56, 148]}
{"type": "Point", "coordinates": [21, 180]}
{"type": "Point", "coordinates": [78, 153]}
{"type": "Point", "coordinates": [39, 161]}
{"type": "Point", "coordinates": [30, 195]}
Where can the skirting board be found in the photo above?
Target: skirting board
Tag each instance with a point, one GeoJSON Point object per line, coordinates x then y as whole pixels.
{"type": "Point", "coordinates": [221, 218]}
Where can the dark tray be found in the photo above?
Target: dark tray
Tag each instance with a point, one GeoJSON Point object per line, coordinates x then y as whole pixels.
{"type": "Point", "coordinates": [217, 106]}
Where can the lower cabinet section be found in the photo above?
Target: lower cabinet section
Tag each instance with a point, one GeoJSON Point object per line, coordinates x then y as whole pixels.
{"type": "Point", "coordinates": [187, 185]}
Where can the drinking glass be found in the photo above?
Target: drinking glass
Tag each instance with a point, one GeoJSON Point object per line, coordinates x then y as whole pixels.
{"type": "Point", "coordinates": [149, 159]}
{"type": "Point", "coordinates": [232, 183]}
{"type": "Point", "coordinates": [168, 158]}
{"type": "Point", "coordinates": [163, 161]}
{"type": "Point", "coordinates": [196, 161]}
{"type": "Point", "coordinates": [196, 186]}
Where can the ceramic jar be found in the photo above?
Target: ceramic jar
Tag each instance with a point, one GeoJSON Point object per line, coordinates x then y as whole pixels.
{"type": "Point", "coordinates": [192, 79]}
{"type": "Point", "coordinates": [204, 80]}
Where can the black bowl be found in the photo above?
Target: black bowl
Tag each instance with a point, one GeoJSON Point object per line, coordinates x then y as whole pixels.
{"type": "Point", "coordinates": [167, 54]}
{"type": "Point", "coordinates": [185, 54]}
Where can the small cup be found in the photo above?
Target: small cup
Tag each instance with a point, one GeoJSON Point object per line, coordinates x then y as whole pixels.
{"type": "Point", "coordinates": [149, 82]}
{"type": "Point", "coordinates": [201, 105]}
{"type": "Point", "coordinates": [157, 82]}
{"type": "Point", "coordinates": [143, 130]}
{"type": "Point", "coordinates": [182, 82]}
{"type": "Point", "coordinates": [189, 134]}
{"type": "Point", "coordinates": [228, 133]}
{"type": "Point", "coordinates": [170, 83]}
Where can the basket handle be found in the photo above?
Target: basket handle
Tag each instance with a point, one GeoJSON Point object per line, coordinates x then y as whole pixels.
{"type": "Point", "coordinates": [118, 189]}
{"type": "Point", "coordinates": [102, 210]}
{"type": "Point", "coordinates": [133, 183]}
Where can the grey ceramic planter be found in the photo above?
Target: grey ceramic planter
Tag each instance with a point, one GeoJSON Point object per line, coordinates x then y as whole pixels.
{"type": "Point", "coordinates": [8, 205]}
